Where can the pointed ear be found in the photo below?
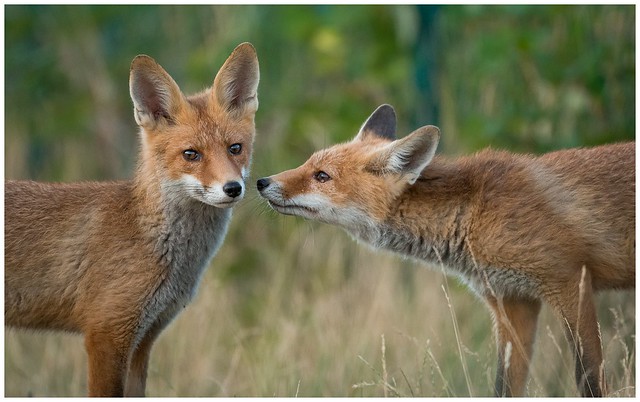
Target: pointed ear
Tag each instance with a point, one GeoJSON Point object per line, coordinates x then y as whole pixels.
{"type": "Point", "coordinates": [381, 123]}
{"type": "Point", "coordinates": [407, 156]}
{"type": "Point", "coordinates": [236, 84]}
{"type": "Point", "coordinates": [156, 96]}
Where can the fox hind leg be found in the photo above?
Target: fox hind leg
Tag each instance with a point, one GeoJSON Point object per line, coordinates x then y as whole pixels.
{"type": "Point", "coordinates": [575, 305]}
{"type": "Point", "coordinates": [515, 324]}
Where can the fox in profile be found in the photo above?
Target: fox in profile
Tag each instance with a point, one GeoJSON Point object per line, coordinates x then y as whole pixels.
{"type": "Point", "coordinates": [117, 261]}
{"type": "Point", "coordinates": [518, 229]}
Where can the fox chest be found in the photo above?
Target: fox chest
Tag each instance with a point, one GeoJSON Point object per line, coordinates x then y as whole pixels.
{"type": "Point", "coordinates": [184, 252]}
{"type": "Point", "coordinates": [453, 257]}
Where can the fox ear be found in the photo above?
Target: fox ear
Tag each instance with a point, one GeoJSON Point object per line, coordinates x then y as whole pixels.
{"type": "Point", "coordinates": [156, 96]}
{"type": "Point", "coordinates": [381, 123]}
{"type": "Point", "coordinates": [236, 84]}
{"type": "Point", "coordinates": [409, 155]}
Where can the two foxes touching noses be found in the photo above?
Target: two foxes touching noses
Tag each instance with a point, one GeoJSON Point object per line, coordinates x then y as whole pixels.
{"type": "Point", "coordinates": [117, 261]}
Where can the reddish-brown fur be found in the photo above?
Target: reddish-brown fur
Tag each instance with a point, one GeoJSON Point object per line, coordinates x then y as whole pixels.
{"type": "Point", "coordinates": [117, 261]}
{"type": "Point", "coordinates": [519, 229]}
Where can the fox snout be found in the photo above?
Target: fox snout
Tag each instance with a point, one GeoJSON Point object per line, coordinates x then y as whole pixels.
{"type": "Point", "coordinates": [217, 194]}
{"type": "Point", "coordinates": [263, 183]}
{"type": "Point", "coordinates": [232, 192]}
{"type": "Point", "coordinates": [271, 190]}
{"type": "Point", "coordinates": [232, 189]}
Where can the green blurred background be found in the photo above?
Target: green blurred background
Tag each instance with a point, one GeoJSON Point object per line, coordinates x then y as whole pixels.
{"type": "Point", "coordinates": [291, 307]}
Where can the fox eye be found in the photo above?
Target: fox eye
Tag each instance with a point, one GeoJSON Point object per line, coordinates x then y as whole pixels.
{"type": "Point", "coordinates": [322, 177]}
{"type": "Point", "coordinates": [235, 149]}
{"type": "Point", "coordinates": [191, 155]}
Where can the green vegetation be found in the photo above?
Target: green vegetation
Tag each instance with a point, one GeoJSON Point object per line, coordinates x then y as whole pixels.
{"type": "Point", "coordinates": [291, 307]}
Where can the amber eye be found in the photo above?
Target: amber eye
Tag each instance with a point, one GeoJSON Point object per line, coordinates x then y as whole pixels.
{"type": "Point", "coordinates": [322, 177]}
{"type": "Point", "coordinates": [235, 149]}
{"type": "Point", "coordinates": [191, 155]}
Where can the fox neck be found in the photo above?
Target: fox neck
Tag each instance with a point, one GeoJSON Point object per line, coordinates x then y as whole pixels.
{"type": "Point", "coordinates": [184, 233]}
{"type": "Point", "coordinates": [429, 221]}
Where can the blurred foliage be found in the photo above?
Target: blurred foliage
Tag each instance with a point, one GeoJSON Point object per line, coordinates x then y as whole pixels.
{"type": "Point", "coordinates": [524, 78]}
{"type": "Point", "coordinates": [528, 78]}
{"type": "Point", "coordinates": [539, 78]}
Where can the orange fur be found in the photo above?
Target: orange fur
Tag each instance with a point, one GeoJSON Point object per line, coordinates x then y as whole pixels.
{"type": "Point", "coordinates": [117, 261]}
{"type": "Point", "coordinates": [518, 229]}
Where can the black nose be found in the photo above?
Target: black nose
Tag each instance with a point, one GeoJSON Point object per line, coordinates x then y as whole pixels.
{"type": "Point", "coordinates": [232, 189]}
{"type": "Point", "coordinates": [263, 183]}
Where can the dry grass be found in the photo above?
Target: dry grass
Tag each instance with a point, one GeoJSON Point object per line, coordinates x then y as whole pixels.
{"type": "Point", "coordinates": [293, 308]}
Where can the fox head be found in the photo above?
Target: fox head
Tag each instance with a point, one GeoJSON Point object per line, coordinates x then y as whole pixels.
{"type": "Point", "coordinates": [197, 146]}
{"type": "Point", "coordinates": [357, 182]}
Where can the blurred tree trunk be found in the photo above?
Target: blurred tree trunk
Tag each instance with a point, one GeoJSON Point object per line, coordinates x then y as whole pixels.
{"type": "Point", "coordinates": [426, 67]}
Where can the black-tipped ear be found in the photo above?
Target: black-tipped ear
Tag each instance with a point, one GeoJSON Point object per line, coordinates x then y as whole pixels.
{"type": "Point", "coordinates": [236, 84]}
{"type": "Point", "coordinates": [156, 96]}
{"type": "Point", "coordinates": [407, 156]}
{"type": "Point", "coordinates": [381, 123]}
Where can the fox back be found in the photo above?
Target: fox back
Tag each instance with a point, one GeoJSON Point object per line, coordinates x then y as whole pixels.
{"type": "Point", "coordinates": [117, 261]}
{"type": "Point", "coordinates": [519, 229]}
